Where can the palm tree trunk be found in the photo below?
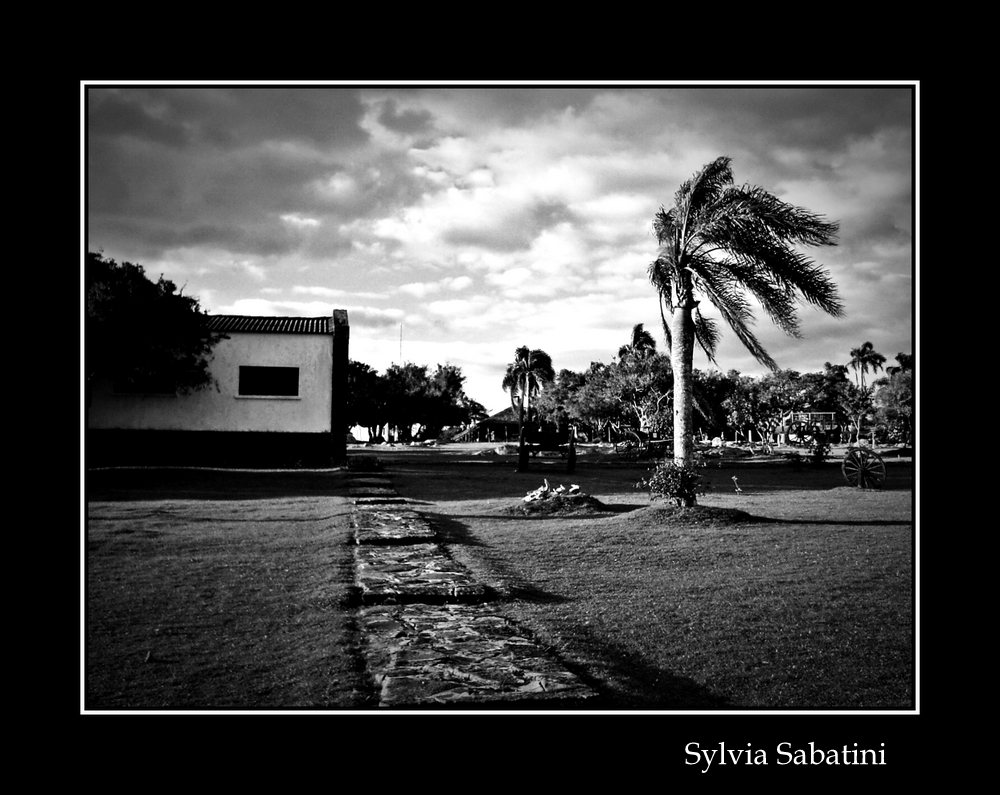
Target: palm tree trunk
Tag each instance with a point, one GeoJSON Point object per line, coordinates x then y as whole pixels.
{"type": "Point", "coordinates": [522, 452]}
{"type": "Point", "coordinates": [681, 360]}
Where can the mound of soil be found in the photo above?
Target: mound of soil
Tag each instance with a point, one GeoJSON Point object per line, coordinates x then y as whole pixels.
{"type": "Point", "coordinates": [558, 505]}
{"type": "Point", "coordinates": [664, 515]}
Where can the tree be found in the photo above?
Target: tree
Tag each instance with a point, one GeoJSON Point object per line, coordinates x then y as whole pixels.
{"type": "Point", "coordinates": [640, 345]}
{"type": "Point", "coordinates": [862, 358]}
{"type": "Point", "coordinates": [525, 377]}
{"type": "Point", "coordinates": [760, 403]}
{"type": "Point", "coordinates": [640, 386]}
{"type": "Point", "coordinates": [592, 403]}
{"type": "Point", "coordinates": [904, 362]}
{"type": "Point", "coordinates": [715, 388]}
{"type": "Point", "coordinates": [824, 391]}
{"type": "Point", "coordinates": [446, 402]}
{"type": "Point", "coordinates": [894, 401]}
{"type": "Point", "coordinates": [858, 405]}
{"type": "Point", "coordinates": [143, 335]}
{"type": "Point", "coordinates": [718, 242]}
{"type": "Point", "coordinates": [365, 399]}
{"type": "Point", "coordinates": [559, 403]}
{"type": "Point", "coordinates": [408, 397]}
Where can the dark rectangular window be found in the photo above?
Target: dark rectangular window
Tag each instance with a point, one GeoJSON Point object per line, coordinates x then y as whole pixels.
{"type": "Point", "coordinates": [269, 381]}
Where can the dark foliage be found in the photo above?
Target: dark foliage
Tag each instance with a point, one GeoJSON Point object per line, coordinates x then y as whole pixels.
{"type": "Point", "coordinates": [674, 482]}
{"type": "Point", "coordinates": [143, 335]}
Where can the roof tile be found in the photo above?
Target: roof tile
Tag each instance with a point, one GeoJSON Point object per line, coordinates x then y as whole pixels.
{"type": "Point", "coordinates": [269, 325]}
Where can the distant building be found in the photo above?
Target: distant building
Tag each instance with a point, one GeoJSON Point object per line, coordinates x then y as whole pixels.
{"type": "Point", "coordinates": [278, 400]}
{"type": "Point", "coordinates": [501, 427]}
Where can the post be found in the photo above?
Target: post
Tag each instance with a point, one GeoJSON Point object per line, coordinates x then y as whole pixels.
{"type": "Point", "coordinates": [571, 457]}
{"type": "Point", "coordinates": [341, 330]}
{"type": "Point", "coordinates": [522, 452]}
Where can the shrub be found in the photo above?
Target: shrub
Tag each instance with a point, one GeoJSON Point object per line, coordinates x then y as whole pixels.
{"type": "Point", "coordinates": [819, 448]}
{"type": "Point", "coordinates": [672, 481]}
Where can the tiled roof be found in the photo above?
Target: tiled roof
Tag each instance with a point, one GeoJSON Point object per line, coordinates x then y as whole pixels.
{"type": "Point", "coordinates": [507, 415]}
{"type": "Point", "coordinates": [270, 325]}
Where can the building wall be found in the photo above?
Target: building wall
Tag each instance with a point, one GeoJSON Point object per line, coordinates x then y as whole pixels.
{"type": "Point", "coordinates": [218, 426]}
{"type": "Point", "coordinates": [223, 409]}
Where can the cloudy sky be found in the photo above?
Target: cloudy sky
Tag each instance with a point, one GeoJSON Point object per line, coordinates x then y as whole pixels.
{"type": "Point", "coordinates": [470, 220]}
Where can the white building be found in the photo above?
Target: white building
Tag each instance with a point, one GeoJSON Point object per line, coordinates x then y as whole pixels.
{"type": "Point", "coordinates": [277, 399]}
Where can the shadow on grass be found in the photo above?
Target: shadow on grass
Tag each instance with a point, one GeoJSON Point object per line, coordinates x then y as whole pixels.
{"type": "Point", "coordinates": [841, 522]}
{"type": "Point", "coordinates": [165, 483]}
{"type": "Point", "coordinates": [456, 534]}
{"type": "Point", "coordinates": [620, 679]}
{"type": "Point", "coordinates": [624, 682]}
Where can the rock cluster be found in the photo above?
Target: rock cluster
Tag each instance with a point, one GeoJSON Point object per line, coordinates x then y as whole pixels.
{"type": "Point", "coordinates": [545, 492]}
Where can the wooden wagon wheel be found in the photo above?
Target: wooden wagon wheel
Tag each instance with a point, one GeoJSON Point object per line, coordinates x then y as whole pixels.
{"type": "Point", "coordinates": [864, 468]}
{"type": "Point", "coordinates": [796, 432]}
{"type": "Point", "coordinates": [629, 447]}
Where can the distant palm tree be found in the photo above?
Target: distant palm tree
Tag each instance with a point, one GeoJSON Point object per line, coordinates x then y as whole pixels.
{"type": "Point", "coordinates": [862, 358]}
{"type": "Point", "coordinates": [525, 376]}
{"type": "Point", "coordinates": [719, 241]}
{"type": "Point", "coordinates": [905, 362]}
{"type": "Point", "coordinates": [641, 344]}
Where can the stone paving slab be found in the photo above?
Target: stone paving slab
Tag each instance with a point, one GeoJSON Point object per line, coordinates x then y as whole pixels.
{"type": "Point", "coordinates": [386, 500]}
{"type": "Point", "coordinates": [375, 525]}
{"type": "Point", "coordinates": [373, 491]}
{"type": "Point", "coordinates": [381, 478]}
{"type": "Point", "coordinates": [369, 484]}
{"type": "Point", "coordinates": [396, 574]}
{"type": "Point", "coordinates": [462, 656]}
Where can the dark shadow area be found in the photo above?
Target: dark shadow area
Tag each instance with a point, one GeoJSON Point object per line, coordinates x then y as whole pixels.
{"type": "Point", "coordinates": [153, 483]}
{"type": "Point", "coordinates": [641, 686]}
{"type": "Point", "coordinates": [646, 688]}
{"type": "Point", "coordinates": [188, 519]}
{"type": "Point", "coordinates": [451, 531]}
{"type": "Point", "coordinates": [455, 535]}
{"type": "Point", "coordinates": [842, 522]}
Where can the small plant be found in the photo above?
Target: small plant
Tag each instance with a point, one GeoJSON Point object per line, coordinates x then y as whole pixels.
{"type": "Point", "coordinates": [819, 449]}
{"type": "Point", "coordinates": [674, 482]}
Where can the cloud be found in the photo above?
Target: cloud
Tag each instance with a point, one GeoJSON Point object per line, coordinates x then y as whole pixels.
{"type": "Point", "coordinates": [373, 317]}
{"type": "Point", "coordinates": [327, 292]}
{"type": "Point", "coordinates": [419, 289]}
{"type": "Point", "coordinates": [483, 218]}
{"type": "Point", "coordinates": [295, 220]}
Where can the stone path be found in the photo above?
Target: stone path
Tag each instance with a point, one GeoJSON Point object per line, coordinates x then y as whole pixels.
{"type": "Point", "coordinates": [432, 638]}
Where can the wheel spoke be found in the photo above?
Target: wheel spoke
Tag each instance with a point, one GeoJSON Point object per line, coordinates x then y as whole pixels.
{"type": "Point", "coordinates": [864, 468]}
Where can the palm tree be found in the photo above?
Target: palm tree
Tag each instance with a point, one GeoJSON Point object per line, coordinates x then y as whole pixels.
{"type": "Point", "coordinates": [719, 242]}
{"type": "Point", "coordinates": [862, 358]}
{"type": "Point", "coordinates": [525, 376]}
{"type": "Point", "coordinates": [640, 345]}
{"type": "Point", "coordinates": [905, 362]}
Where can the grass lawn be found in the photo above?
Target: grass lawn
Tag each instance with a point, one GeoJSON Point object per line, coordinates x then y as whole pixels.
{"type": "Point", "coordinates": [219, 590]}
{"type": "Point", "coordinates": [215, 590]}
{"type": "Point", "coordinates": [809, 607]}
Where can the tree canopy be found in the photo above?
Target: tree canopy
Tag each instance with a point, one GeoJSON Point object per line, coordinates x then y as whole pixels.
{"type": "Point", "coordinates": [894, 401]}
{"type": "Point", "coordinates": [418, 403]}
{"type": "Point", "coordinates": [140, 334]}
{"type": "Point", "coordinates": [863, 358]}
{"type": "Point", "coordinates": [721, 243]}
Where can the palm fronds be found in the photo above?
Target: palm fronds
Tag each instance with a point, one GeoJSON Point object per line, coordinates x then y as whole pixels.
{"type": "Point", "coordinates": [721, 242]}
